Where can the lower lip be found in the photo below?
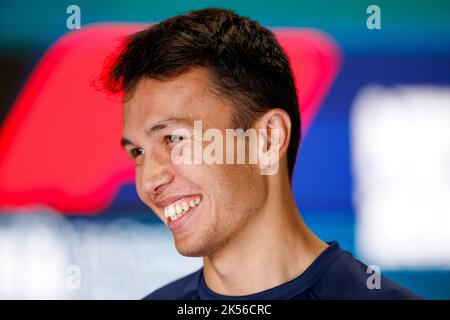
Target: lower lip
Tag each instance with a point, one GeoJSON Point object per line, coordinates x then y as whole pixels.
{"type": "Point", "coordinates": [181, 222]}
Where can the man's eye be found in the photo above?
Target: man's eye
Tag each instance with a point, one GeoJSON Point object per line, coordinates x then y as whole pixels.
{"type": "Point", "coordinates": [136, 152]}
{"type": "Point", "coordinates": [173, 138]}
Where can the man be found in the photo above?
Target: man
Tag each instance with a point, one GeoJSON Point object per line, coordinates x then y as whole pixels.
{"type": "Point", "coordinates": [227, 72]}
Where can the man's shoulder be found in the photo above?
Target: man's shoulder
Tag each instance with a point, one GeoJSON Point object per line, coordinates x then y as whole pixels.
{"type": "Point", "coordinates": [349, 278]}
{"type": "Point", "coordinates": [185, 288]}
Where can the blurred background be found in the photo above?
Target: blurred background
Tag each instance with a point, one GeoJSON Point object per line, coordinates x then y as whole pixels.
{"type": "Point", "coordinates": [373, 171]}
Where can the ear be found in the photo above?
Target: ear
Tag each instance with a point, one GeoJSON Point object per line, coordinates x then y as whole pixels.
{"type": "Point", "coordinates": [276, 123]}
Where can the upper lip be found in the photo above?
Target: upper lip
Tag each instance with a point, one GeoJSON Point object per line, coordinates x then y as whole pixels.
{"type": "Point", "coordinates": [166, 201]}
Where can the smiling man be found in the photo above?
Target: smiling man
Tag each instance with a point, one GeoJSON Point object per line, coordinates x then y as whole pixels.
{"type": "Point", "coordinates": [227, 72]}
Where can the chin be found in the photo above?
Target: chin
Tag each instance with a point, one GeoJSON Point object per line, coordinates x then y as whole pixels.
{"type": "Point", "coordinates": [194, 249]}
{"type": "Point", "coordinates": [190, 252]}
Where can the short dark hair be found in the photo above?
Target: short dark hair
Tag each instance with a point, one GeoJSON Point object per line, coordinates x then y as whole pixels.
{"type": "Point", "coordinates": [246, 62]}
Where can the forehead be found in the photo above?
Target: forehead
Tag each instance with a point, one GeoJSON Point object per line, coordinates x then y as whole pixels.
{"type": "Point", "coordinates": [187, 96]}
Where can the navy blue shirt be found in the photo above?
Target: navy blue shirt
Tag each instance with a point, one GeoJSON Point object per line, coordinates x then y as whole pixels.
{"type": "Point", "coordinates": [335, 274]}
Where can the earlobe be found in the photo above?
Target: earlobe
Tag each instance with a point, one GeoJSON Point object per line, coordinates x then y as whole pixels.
{"type": "Point", "coordinates": [279, 123]}
{"type": "Point", "coordinates": [275, 128]}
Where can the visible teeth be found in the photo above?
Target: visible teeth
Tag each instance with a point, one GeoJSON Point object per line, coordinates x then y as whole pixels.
{"type": "Point", "coordinates": [177, 210]}
{"type": "Point", "coordinates": [171, 210]}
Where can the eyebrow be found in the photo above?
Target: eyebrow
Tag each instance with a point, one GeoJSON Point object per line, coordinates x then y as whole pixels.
{"type": "Point", "coordinates": [160, 125]}
{"type": "Point", "coordinates": [124, 142]}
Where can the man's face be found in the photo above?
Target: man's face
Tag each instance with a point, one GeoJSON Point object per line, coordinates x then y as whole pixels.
{"type": "Point", "coordinates": [228, 196]}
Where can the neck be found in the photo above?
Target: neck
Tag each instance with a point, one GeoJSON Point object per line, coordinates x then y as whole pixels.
{"type": "Point", "coordinates": [275, 247]}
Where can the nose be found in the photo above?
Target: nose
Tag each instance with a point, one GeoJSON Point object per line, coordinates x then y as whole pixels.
{"type": "Point", "coordinates": [155, 174]}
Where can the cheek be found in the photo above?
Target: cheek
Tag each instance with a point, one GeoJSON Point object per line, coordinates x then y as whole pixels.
{"type": "Point", "coordinates": [230, 185]}
{"type": "Point", "coordinates": [138, 179]}
{"type": "Point", "coordinates": [244, 187]}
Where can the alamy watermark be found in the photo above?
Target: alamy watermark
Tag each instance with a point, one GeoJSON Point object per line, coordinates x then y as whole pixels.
{"type": "Point", "coordinates": [73, 281]}
{"type": "Point", "coordinates": [73, 21]}
{"type": "Point", "coordinates": [262, 148]}
{"type": "Point", "coordinates": [373, 21]}
{"type": "Point", "coordinates": [374, 280]}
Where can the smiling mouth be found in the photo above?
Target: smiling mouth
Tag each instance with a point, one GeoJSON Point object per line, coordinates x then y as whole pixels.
{"type": "Point", "coordinates": [177, 209]}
